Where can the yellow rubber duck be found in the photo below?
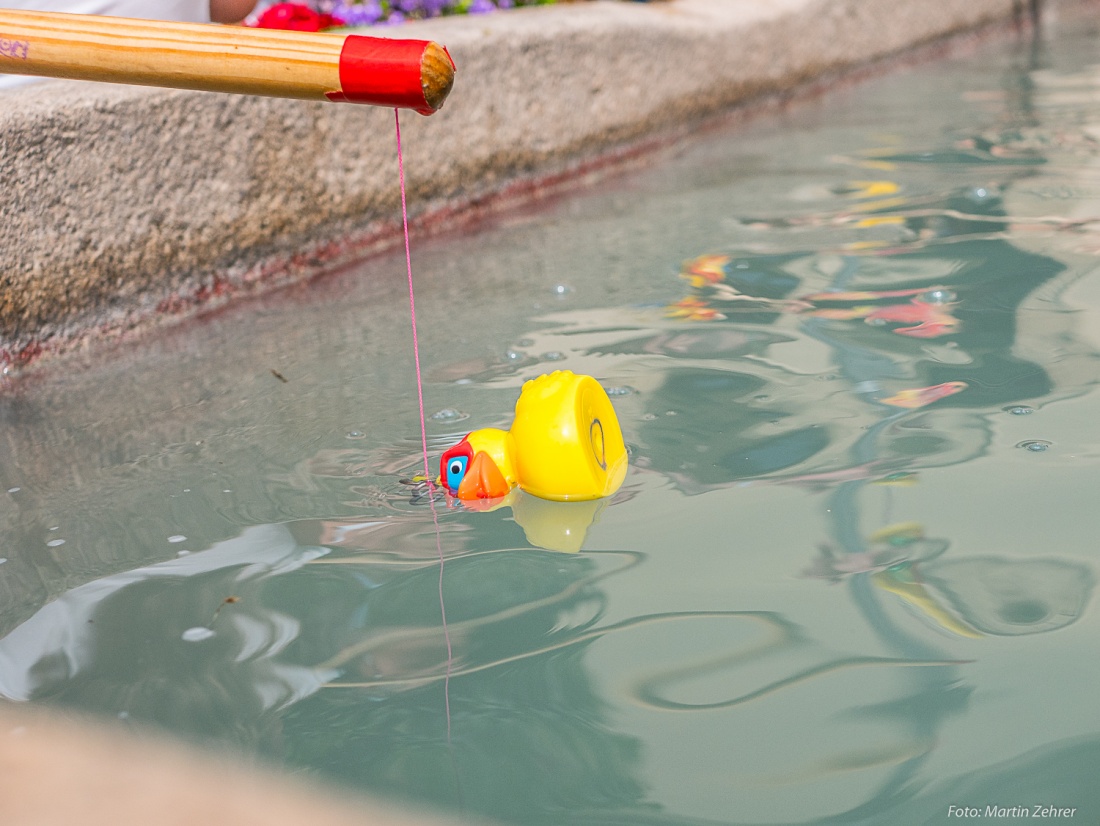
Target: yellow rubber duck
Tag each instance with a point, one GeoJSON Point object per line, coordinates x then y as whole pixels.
{"type": "Point", "coordinates": [564, 445]}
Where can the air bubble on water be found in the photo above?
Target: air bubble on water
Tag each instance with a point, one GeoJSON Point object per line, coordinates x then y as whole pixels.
{"type": "Point", "coordinates": [515, 355]}
{"type": "Point", "coordinates": [938, 297]}
{"type": "Point", "coordinates": [648, 417]}
{"type": "Point", "coordinates": [562, 290]}
{"type": "Point", "coordinates": [553, 355]}
{"type": "Point", "coordinates": [355, 435]}
{"type": "Point", "coordinates": [525, 342]}
{"type": "Point", "coordinates": [177, 538]}
{"type": "Point", "coordinates": [1035, 445]}
{"type": "Point", "coordinates": [55, 543]}
{"type": "Point", "coordinates": [621, 390]}
{"type": "Point", "coordinates": [1019, 410]}
{"type": "Point", "coordinates": [449, 414]}
{"type": "Point", "coordinates": [671, 413]}
{"type": "Point", "coordinates": [197, 634]}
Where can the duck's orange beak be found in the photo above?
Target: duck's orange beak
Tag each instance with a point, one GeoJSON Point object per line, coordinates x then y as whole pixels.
{"type": "Point", "coordinates": [483, 479]}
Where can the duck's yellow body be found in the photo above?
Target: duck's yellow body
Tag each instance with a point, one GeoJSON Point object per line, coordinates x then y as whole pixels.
{"type": "Point", "coordinates": [565, 445]}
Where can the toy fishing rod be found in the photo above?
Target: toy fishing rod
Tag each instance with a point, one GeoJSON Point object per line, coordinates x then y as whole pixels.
{"type": "Point", "coordinates": [411, 74]}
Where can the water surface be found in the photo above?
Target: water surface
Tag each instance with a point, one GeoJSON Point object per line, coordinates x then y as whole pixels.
{"type": "Point", "coordinates": [849, 578]}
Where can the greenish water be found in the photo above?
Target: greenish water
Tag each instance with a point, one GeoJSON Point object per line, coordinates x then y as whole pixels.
{"type": "Point", "coordinates": [809, 603]}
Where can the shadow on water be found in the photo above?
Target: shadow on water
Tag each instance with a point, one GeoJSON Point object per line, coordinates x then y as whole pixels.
{"type": "Point", "coordinates": [838, 354]}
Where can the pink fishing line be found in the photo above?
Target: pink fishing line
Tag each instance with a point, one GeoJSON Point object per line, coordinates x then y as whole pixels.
{"type": "Point", "coordinates": [412, 298]}
{"type": "Point", "coordinates": [423, 425]}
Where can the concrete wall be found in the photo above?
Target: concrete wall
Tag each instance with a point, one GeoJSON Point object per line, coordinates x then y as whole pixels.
{"type": "Point", "coordinates": [124, 207]}
{"type": "Point", "coordinates": [60, 769]}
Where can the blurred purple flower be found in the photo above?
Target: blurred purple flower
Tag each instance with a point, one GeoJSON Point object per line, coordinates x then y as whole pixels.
{"type": "Point", "coordinates": [381, 12]}
{"type": "Point", "coordinates": [358, 14]}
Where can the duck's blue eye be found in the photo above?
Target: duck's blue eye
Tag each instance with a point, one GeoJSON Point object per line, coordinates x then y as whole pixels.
{"type": "Point", "coordinates": [456, 469]}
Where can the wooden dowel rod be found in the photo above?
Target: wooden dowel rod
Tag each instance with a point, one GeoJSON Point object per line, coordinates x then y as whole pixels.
{"type": "Point", "coordinates": [414, 74]}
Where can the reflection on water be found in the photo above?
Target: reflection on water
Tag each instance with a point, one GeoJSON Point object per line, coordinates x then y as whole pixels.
{"type": "Point", "coordinates": [848, 579]}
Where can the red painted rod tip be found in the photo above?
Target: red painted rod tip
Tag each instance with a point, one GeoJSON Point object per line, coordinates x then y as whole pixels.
{"type": "Point", "coordinates": [411, 74]}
